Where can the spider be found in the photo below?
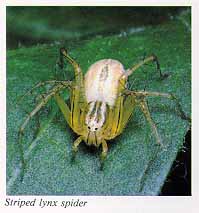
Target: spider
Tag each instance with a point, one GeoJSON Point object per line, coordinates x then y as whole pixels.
{"type": "Point", "coordinates": [100, 102]}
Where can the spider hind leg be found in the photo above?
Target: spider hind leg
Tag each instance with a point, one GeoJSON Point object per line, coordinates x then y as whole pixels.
{"type": "Point", "coordinates": [41, 104]}
{"type": "Point", "coordinates": [144, 107]}
{"type": "Point", "coordinates": [140, 97]}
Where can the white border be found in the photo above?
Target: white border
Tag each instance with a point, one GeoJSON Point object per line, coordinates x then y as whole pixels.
{"type": "Point", "coordinates": [2, 99]}
{"type": "Point", "coordinates": [195, 101]}
{"type": "Point", "coordinates": [99, 3]}
{"type": "Point", "coordinates": [110, 203]}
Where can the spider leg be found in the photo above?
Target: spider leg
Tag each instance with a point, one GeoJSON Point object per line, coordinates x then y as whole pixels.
{"type": "Point", "coordinates": [170, 96]}
{"type": "Point", "coordinates": [140, 100]}
{"type": "Point", "coordinates": [144, 107]}
{"type": "Point", "coordinates": [117, 116]}
{"type": "Point", "coordinates": [152, 58]}
{"type": "Point", "coordinates": [77, 69]}
{"type": "Point", "coordinates": [40, 84]}
{"type": "Point", "coordinates": [128, 109]}
{"type": "Point", "coordinates": [75, 147]}
{"type": "Point", "coordinates": [77, 94]}
{"type": "Point", "coordinates": [104, 153]}
{"type": "Point", "coordinates": [64, 109]}
{"type": "Point", "coordinates": [114, 120]}
{"type": "Point", "coordinates": [42, 103]}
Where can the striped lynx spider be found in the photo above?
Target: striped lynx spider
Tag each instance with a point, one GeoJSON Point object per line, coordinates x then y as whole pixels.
{"type": "Point", "coordinates": [100, 103]}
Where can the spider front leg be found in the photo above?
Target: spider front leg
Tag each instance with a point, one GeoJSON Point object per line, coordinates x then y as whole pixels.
{"type": "Point", "coordinates": [77, 69]}
{"type": "Point", "coordinates": [68, 117]}
{"type": "Point", "coordinates": [152, 58]}
{"type": "Point", "coordinates": [75, 147]}
{"type": "Point", "coordinates": [77, 93]}
{"type": "Point", "coordinates": [104, 153]}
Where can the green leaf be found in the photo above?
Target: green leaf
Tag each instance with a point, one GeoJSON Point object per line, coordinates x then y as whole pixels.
{"type": "Point", "coordinates": [135, 165]}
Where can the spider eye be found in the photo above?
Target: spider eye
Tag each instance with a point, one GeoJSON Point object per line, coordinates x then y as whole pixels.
{"type": "Point", "coordinates": [95, 128]}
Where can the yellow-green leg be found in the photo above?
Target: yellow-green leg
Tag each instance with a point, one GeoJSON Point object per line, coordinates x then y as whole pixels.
{"type": "Point", "coordinates": [152, 58]}
{"type": "Point", "coordinates": [75, 110]}
{"type": "Point", "coordinates": [78, 102]}
{"type": "Point", "coordinates": [119, 116]}
{"type": "Point", "coordinates": [145, 110]}
{"type": "Point", "coordinates": [104, 153]}
{"type": "Point", "coordinates": [43, 83]}
{"type": "Point", "coordinates": [68, 117]}
{"type": "Point", "coordinates": [170, 96]}
{"type": "Point", "coordinates": [129, 106]}
{"type": "Point", "coordinates": [114, 120]}
{"type": "Point", "coordinates": [140, 99]}
{"type": "Point", "coordinates": [75, 147]}
{"type": "Point", "coordinates": [77, 69]}
{"type": "Point", "coordinates": [64, 108]}
{"type": "Point", "coordinates": [77, 94]}
{"type": "Point", "coordinates": [41, 104]}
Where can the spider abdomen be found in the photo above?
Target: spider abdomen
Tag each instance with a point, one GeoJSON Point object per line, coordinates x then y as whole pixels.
{"type": "Point", "coordinates": [101, 81]}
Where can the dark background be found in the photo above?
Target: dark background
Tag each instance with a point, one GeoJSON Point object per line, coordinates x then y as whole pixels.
{"type": "Point", "coordinates": [27, 26]}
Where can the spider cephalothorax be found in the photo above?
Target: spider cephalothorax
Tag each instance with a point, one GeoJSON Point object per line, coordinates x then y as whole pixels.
{"type": "Point", "coordinates": [100, 105]}
{"type": "Point", "coordinates": [96, 116]}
